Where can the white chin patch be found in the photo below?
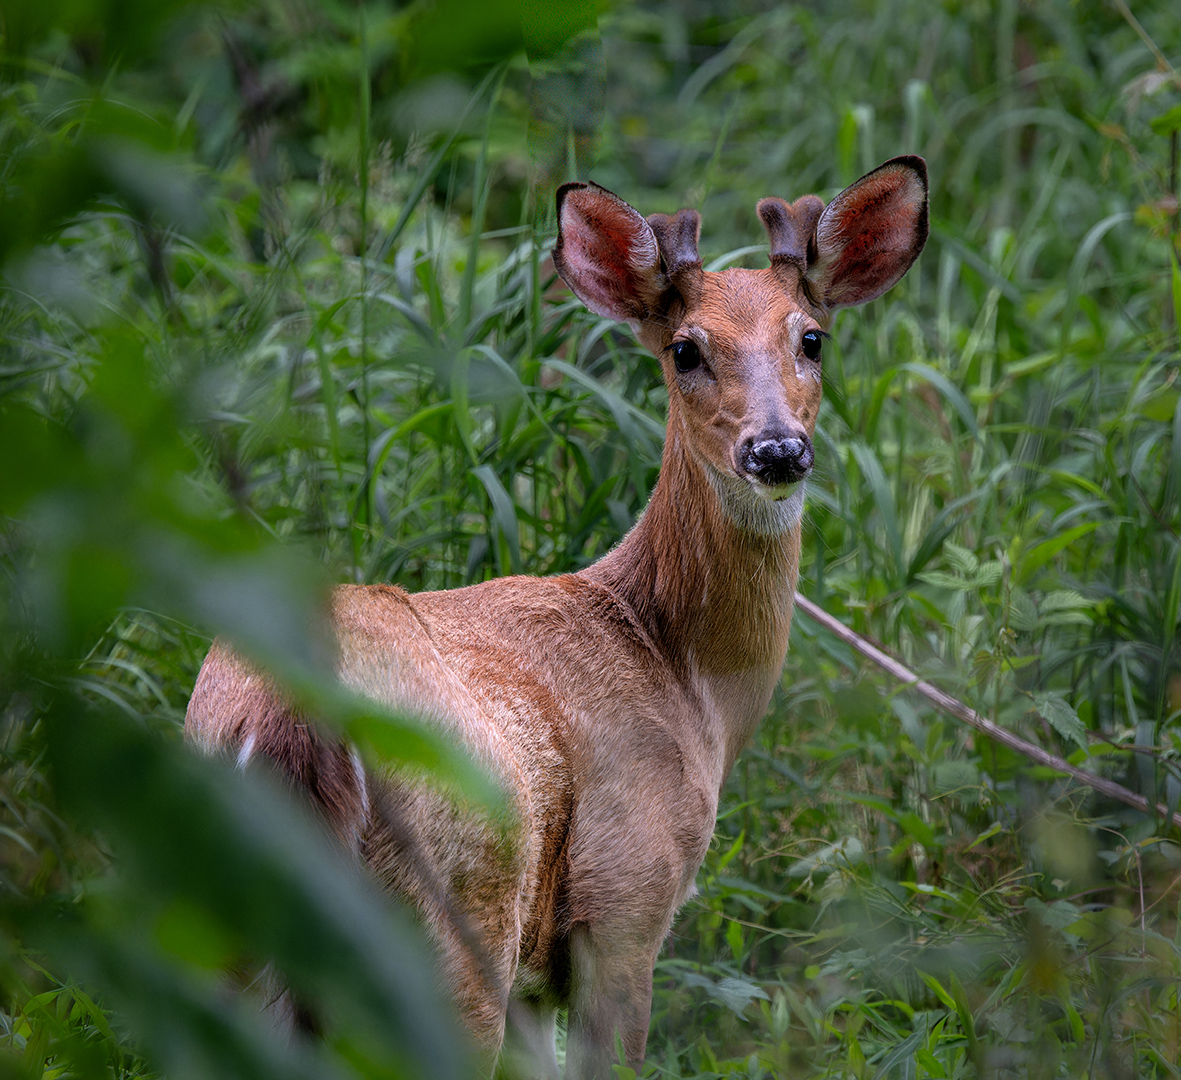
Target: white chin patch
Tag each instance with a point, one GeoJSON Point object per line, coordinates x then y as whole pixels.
{"type": "Point", "coordinates": [756, 508]}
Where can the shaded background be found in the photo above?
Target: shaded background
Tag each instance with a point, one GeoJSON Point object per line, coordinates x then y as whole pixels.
{"type": "Point", "coordinates": [276, 311]}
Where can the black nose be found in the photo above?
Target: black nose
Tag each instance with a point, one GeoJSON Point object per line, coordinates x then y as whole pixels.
{"type": "Point", "coordinates": [777, 460]}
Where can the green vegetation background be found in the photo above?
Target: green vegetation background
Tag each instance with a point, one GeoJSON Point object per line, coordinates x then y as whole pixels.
{"type": "Point", "coordinates": [275, 311]}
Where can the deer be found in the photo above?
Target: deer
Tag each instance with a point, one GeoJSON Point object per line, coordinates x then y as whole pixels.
{"type": "Point", "coordinates": [609, 704]}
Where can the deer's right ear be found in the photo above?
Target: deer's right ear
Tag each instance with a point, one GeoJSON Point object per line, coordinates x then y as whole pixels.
{"type": "Point", "coordinates": [607, 253]}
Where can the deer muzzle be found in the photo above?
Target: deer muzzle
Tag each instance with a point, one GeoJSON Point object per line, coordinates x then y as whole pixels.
{"type": "Point", "coordinates": [776, 459]}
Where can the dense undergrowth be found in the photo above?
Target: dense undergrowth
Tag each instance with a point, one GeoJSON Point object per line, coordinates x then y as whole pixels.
{"type": "Point", "coordinates": [277, 311]}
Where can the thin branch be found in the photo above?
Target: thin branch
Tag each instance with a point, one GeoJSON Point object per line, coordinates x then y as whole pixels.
{"type": "Point", "coordinates": [1162, 61]}
{"type": "Point", "coordinates": [973, 719]}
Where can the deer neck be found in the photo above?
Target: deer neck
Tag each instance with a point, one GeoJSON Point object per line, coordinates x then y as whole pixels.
{"type": "Point", "coordinates": [710, 572]}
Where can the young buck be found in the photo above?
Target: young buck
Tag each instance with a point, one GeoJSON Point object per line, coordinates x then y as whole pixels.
{"type": "Point", "coordinates": [610, 703]}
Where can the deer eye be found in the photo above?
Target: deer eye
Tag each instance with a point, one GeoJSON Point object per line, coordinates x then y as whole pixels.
{"type": "Point", "coordinates": [686, 356]}
{"type": "Point", "coordinates": [812, 342]}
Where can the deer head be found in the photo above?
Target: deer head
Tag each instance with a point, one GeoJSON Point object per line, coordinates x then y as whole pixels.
{"type": "Point", "coordinates": [742, 349]}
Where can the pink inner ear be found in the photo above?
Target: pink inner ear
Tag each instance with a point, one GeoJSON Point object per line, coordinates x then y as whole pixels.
{"type": "Point", "coordinates": [607, 254]}
{"type": "Point", "coordinates": [869, 235]}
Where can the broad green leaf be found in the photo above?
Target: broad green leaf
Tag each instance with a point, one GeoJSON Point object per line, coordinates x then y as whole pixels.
{"type": "Point", "coordinates": [1077, 1027]}
{"type": "Point", "coordinates": [960, 558]}
{"type": "Point", "coordinates": [187, 931]}
{"type": "Point", "coordinates": [900, 1052]}
{"type": "Point", "coordinates": [917, 828]}
{"type": "Point", "coordinates": [843, 853]}
{"type": "Point", "coordinates": [856, 1056]}
{"type": "Point", "coordinates": [1034, 558]}
{"type": "Point", "coordinates": [250, 857]}
{"type": "Point", "coordinates": [964, 1011]}
{"type": "Point", "coordinates": [734, 938]}
{"type": "Point", "coordinates": [1167, 122]}
{"type": "Point", "coordinates": [993, 829]}
{"type": "Point", "coordinates": [931, 1063]}
{"type": "Point", "coordinates": [988, 575]}
{"type": "Point", "coordinates": [1173, 479]}
{"type": "Point", "coordinates": [1064, 600]}
{"type": "Point", "coordinates": [1067, 618]}
{"type": "Point", "coordinates": [871, 469]}
{"type": "Point", "coordinates": [461, 412]}
{"type": "Point", "coordinates": [937, 989]}
{"type": "Point", "coordinates": [504, 514]}
{"type": "Point", "coordinates": [1176, 281]}
{"type": "Point", "coordinates": [735, 994]}
{"type": "Point", "coordinates": [1030, 365]}
{"type": "Point", "coordinates": [1062, 717]}
{"type": "Point", "coordinates": [1023, 613]}
{"type": "Point", "coordinates": [1060, 914]}
{"type": "Point", "coordinates": [948, 389]}
{"type": "Point", "coordinates": [410, 742]}
{"type": "Point", "coordinates": [731, 852]}
{"type": "Point", "coordinates": [944, 524]}
{"type": "Point", "coordinates": [960, 778]}
{"type": "Point", "coordinates": [942, 580]}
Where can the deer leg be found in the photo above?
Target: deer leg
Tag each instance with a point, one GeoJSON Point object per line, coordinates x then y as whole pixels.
{"type": "Point", "coordinates": [464, 876]}
{"type": "Point", "coordinates": [611, 997]}
{"type": "Point", "coordinates": [529, 1052]}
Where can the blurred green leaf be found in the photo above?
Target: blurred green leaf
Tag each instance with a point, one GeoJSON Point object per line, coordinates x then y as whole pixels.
{"type": "Point", "coordinates": [961, 558]}
{"type": "Point", "coordinates": [1167, 122]}
{"type": "Point", "coordinates": [503, 513]}
{"type": "Point", "coordinates": [1042, 552]}
{"type": "Point", "coordinates": [282, 885]}
{"type": "Point", "coordinates": [735, 994]}
{"type": "Point", "coordinates": [1176, 289]}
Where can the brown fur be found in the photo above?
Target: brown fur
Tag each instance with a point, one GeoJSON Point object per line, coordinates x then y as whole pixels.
{"type": "Point", "coordinates": [611, 703]}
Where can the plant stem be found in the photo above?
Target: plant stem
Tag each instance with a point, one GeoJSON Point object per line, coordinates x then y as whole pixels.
{"type": "Point", "coordinates": [972, 718]}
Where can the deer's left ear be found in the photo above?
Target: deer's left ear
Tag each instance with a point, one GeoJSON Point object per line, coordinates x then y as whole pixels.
{"type": "Point", "coordinates": [870, 234]}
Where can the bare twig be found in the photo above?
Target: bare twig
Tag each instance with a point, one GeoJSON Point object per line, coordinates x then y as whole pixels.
{"type": "Point", "coordinates": [1162, 61]}
{"type": "Point", "coordinates": [973, 719]}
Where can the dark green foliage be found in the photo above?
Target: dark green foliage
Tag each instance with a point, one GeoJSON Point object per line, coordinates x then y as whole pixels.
{"type": "Point", "coordinates": [276, 312]}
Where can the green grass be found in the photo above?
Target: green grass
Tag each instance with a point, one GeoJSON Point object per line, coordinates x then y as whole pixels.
{"type": "Point", "coordinates": [267, 323]}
